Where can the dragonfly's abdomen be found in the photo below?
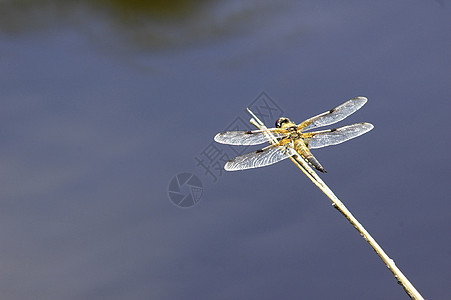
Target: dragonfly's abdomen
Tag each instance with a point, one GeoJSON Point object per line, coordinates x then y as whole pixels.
{"type": "Point", "coordinates": [304, 151]}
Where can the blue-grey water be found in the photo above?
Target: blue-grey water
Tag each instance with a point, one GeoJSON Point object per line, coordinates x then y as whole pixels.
{"type": "Point", "coordinates": [103, 102]}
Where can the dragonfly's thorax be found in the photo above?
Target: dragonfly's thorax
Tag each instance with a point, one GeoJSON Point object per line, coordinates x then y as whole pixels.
{"type": "Point", "coordinates": [285, 123]}
{"type": "Point", "coordinates": [294, 134]}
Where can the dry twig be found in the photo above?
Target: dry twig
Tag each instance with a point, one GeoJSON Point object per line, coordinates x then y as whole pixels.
{"type": "Point", "coordinates": [308, 171]}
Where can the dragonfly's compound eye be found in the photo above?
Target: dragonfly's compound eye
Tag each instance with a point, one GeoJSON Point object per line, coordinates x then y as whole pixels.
{"type": "Point", "coordinates": [281, 121]}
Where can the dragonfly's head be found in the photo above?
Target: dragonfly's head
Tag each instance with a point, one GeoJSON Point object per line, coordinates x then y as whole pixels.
{"type": "Point", "coordinates": [283, 122]}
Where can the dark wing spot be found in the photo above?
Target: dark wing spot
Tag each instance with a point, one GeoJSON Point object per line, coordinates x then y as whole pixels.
{"type": "Point", "coordinates": [259, 151]}
{"type": "Point", "coordinates": [248, 132]}
{"type": "Point", "coordinates": [332, 130]}
{"type": "Point", "coordinates": [332, 110]}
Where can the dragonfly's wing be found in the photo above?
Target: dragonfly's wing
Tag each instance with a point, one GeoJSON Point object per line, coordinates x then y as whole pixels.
{"type": "Point", "coordinates": [260, 158]}
{"type": "Point", "coordinates": [254, 137]}
{"type": "Point", "coordinates": [334, 115]}
{"type": "Point", "coordinates": [336, 136]}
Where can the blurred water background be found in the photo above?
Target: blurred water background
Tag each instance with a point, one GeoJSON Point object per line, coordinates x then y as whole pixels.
{"type": "Point", "coordinates": [104, 102]}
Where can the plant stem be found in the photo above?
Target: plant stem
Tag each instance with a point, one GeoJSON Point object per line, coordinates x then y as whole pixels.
{"type": "Point", "coordinates": [311, 174]}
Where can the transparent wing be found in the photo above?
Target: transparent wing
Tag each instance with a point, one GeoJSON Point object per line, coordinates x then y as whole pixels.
{"type": "Point", "coordinates": [337, 136]}
{"type": "Point", "coordinates": [335, 115]}
{"type": "Point", "coordinates": [246, 137]}
{"type": "Point", "coordinates": [260, 158]}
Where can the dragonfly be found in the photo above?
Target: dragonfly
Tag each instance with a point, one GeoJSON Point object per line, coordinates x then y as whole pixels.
{"type": "Point", "coordinates": [295, 139]}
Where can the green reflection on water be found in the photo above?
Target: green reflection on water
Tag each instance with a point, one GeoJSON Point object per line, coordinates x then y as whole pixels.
{"type": "Point", "coordinates": [148, 24]}
{"type": "Point", "coordinates": [22, 15]}
{"type": "Point", "coordinates": [158, 9]}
